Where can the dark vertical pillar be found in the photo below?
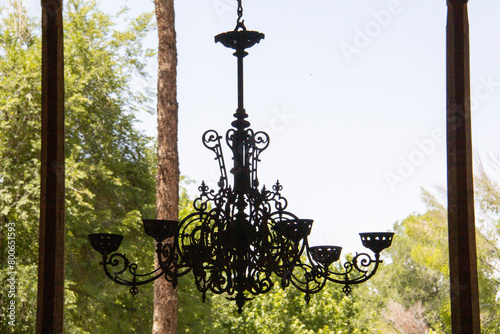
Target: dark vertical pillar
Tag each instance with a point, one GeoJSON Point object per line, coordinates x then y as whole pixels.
{"type": "Point", "coordinates": [50, 301]}
{"type": "Point", "coordinates": [461, 225]}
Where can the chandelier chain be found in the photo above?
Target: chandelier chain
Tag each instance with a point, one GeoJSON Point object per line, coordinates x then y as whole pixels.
{"type": "Point", "coordinates": [239, 22]}
{"type": "Point", "coordinates": [240, 11]}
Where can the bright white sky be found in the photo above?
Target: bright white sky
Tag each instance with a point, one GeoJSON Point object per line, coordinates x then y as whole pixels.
{"type": "Point", "coordinates": [352, 94]}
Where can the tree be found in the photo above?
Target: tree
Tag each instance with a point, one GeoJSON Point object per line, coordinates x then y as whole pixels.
{"type": "Point", "coordinates": [277, 312]}
{"type": "Point", "coordinates": [415, 277]}
{"type": "Point", "coordinates": [110, 166]}
{"type": "Point", "coordinates": [19, 162]}
{"type": "Point", "coordinates": [488, 201]}
{"type": "Point", "coordinates": [413, 287]}
{"type": "Point", "coordinates": [111, 162]}
{"type": "Point", "coordinates": [167, 187]}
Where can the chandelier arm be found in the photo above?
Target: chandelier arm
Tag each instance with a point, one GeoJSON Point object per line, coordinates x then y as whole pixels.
{"type": "Point", "coordinates": [180, 270]}
{"type": "Point", "coordinates": [115, 276]}
{"type": "Point", "coordinates": [170, 262]}
{"type": "Point", "coordinates": [313, 279]}
{"type": "Point", "coordinates": [365, 274]}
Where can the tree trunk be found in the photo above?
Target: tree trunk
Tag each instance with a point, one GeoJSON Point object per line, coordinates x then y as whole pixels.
{"type": "Point", "coordinates": [167, 188]}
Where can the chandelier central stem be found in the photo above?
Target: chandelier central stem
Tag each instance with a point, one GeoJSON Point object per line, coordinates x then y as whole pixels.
{"type": "Point", "coordinates": [240, 123]}
{"type": "Point", "coordinates": [241, 170]}
{"type": "Point", "coordinates": [239, 40]}
{"type": "Point", "coordinates": [240, 56]}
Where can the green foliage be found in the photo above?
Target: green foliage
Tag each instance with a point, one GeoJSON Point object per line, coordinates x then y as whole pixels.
{"type": "Point", "coordinates": [19, 157]}
{"type": "Point", "coordinates": [488, 196]}
{"type": "Point", "coordinates": [110, 166]}
{"type": "Point", "coordinates": [279, 311]}
{"type": "Point", "coordinates": [416, 273]}
{"type": "Point", "coordinates": [413, 287]}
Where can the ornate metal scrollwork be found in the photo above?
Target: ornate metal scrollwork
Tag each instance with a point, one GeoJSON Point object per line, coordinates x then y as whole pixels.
{"type": "Point", "coordinates": [211, 140]}
{"type": "Point", "coordinates": [238, 236]}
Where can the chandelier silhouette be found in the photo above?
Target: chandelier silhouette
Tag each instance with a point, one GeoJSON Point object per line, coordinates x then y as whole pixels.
{"type": "Point", "coordinates": [239, 236]}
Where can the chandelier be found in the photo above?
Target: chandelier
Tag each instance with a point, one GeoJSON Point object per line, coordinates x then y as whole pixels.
{"type": "Point", "coordinates": [239, 236]}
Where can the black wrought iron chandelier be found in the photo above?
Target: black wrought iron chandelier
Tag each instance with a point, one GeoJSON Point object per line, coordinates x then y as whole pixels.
{"type": "Point", "coordinates": [238, 236]}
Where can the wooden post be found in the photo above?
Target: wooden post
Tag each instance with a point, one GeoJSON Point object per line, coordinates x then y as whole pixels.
{"type": "Point", "coordinates": [50, 301]}
{"type": "Point", "coordinates": [461, 225]}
